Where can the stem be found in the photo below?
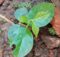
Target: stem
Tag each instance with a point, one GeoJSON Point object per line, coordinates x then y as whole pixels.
{"type": "Point", "coordinates": [22, 24]}
{"type": "Point", "coordinates": [28, 24]}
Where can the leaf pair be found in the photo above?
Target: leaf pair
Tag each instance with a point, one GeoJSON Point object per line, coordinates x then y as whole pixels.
{"type": "Point", "coordinates": [41, 14]}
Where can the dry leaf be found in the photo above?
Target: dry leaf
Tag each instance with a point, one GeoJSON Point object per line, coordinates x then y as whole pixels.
{"type": "Point", "coordinates": [56, 21]}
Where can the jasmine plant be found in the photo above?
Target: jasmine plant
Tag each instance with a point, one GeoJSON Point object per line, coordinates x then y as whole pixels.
{"type": "Point", "coordinates": [39, 16]}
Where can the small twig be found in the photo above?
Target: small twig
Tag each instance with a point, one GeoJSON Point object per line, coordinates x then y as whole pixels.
{"type": "Point", "coordinates": [6, 19]}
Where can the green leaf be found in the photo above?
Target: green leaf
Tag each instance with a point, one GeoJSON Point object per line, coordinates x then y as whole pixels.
{"type": "Point", "coordinates": [23, 19]}
{"type": "Point", "coordinates": [43, 20]}
{"type": "Point", "coordinates": [41, 14]}
{"type": "Point", "coordinates": [20, 12]}
{"type": "Point", "coordinates": [22, 38]}
{"type": "Point", "coordinates": [35, 29]}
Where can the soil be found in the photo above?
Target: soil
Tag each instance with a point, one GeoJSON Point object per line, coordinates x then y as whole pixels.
{"type": "Point", "coordinates": [40, 49]}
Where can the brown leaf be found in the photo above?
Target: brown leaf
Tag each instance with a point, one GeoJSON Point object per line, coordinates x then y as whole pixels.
{"type": "Point", "coordinates": [56, 21]}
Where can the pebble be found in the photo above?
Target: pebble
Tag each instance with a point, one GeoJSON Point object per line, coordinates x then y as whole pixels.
{"type": "Point", "coordinates": [51, 42]}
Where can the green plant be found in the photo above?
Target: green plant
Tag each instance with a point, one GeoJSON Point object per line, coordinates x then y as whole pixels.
{"type": "Point", "coordinates": [22, 4]}
{"type": "Point", "coordinates": [39, 16]}
{"type": "Point", "coordinates": [52, 31]}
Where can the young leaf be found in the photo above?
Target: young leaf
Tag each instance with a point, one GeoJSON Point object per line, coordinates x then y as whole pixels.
{"type": "Point", "coordinates": [35, 29]}
{"type": "Point", "coordinates": [20, 12]}
{"type": "Point", "coordinates": [22, 39]}
{"type": "Point", "coordinates": [23, 19]}
{"type": "Point", "coordinates": [41, 14]}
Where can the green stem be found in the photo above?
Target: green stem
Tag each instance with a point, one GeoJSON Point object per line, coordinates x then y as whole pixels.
{"type": "Point", "coordinates": [28, 25]}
